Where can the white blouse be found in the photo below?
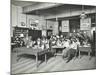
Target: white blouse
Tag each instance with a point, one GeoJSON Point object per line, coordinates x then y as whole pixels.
{"type": "Point", "coordinates": [73, 46]}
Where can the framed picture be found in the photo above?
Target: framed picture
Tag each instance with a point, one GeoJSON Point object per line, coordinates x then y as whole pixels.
{"type": "Point", "coordinates": [57, 39]}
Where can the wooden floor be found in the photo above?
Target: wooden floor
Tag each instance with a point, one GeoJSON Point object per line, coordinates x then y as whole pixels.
{"type": "Point", "coordinates": [27, 64]}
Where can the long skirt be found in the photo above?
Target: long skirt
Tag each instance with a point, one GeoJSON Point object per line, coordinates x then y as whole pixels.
{"type": "Point", "coordinates": [64, 53]}
{"type": "Point", "coordinates": [71, 53]}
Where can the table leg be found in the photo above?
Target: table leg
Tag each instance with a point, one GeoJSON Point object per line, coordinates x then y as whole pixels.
{"type": "Point", "coordinates": [79, 54]}
{"type": "Point", "coordinates": [89, 54]}
{"type": "Point", "coordinates": [55, 52]}
{"type": "Point", "coordinates": [46, 58]}
{"type": "Point", "coordinates": [17, 55]}
{"type": "Point", "coordinates": [36, 60]}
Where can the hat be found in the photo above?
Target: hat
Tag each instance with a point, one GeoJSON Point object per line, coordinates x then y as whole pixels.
{"type": "Point", "coordinates": [74, 40]}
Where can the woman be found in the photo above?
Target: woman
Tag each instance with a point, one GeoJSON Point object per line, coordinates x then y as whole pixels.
{"type": "Point", "coordinates": [29, 42]}
{"type": "Point", "coordinates": [72, 51]}
{"type": "Point", "coordinates": [58, 43]}
{"type": "Point", "coordinates": [66, 44]}
{"type": "Point", "coordinates": [39, 42]}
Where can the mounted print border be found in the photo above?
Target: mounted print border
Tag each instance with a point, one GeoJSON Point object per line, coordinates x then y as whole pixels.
{"type": "Point", "coordinates": [52, 37]}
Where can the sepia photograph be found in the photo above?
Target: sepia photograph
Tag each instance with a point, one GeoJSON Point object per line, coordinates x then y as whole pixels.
{"type": "Point", "coordinates": [52, 37]}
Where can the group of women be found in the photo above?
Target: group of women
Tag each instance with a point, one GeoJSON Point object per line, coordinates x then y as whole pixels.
{"type": "Point", "coordinates": [70, 44]}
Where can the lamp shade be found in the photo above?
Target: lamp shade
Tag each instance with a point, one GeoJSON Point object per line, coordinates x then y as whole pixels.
{"type": "Point", "coordinates": [21, 35]}
{"type": "Point", "coordinates": [83, 15]}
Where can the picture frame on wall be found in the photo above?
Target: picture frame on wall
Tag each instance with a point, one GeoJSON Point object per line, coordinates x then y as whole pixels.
{"type": "Point", "coordinates": [33, 24]}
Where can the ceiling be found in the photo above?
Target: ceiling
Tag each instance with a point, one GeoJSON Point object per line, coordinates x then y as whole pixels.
{"type": "Point", "coordinates": [58, 9]}
{"type": "Point", "coordinates": [23, 3]}
{"type": "Point", "coordinates": [49, 10]}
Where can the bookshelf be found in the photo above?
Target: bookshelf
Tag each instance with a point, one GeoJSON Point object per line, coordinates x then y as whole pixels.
{"type": "Point", "coordinates": [20, 30]}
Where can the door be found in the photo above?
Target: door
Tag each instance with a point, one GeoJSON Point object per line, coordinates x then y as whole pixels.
{"type": "Point", "coordinates": [35, 34]}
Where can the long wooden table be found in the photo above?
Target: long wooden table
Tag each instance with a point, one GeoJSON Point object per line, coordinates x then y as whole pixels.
{"type": "Point", "coordinates": [55, 48]}
{"type": "Point", "coordinates": [84, 49]}
{"type": "Point", "coordinates": [32, 51]}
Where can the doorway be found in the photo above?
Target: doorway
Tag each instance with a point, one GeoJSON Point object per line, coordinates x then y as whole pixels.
{"type": "Point", "coordinates": [74, 25]}
{"type": "Point", "coordinates": [35, 34]}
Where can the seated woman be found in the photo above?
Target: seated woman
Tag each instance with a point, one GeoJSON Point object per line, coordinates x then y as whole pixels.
{"type": "Point", "coordinates": [29, 42]}
{"type": "Point", "coordinates": [78, 44]}
{"type": "Point", "coordinates": [43, 43]}
{"type": "Point", "coordinates": [72, 51]}
{"type": "Point", "coordinates": [66, 44]}
{"type": "Point", "coordinates": [47, 44]}
{"type": "Point", "coordinates": [38, 42]}
{"type": "Point", "coordinates": [53, 43]}
{"type": "Point", "coordinates": [58, 43]}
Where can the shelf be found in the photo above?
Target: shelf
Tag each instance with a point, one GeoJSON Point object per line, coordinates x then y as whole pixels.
{"type": "Point", "coordinates": [19, 30]}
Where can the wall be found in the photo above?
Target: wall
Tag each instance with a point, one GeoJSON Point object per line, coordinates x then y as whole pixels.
{"type": "Point", "coordinates": [52, 25]}
{"type": "Point", "coordinates": [41, 20]}
{"type": "Point", "coordinates": [13, 19]}
{"type": "Point", "coordinates": [55, 28]}
{"type": "Point", "coordinates": [67, 12]}
{"type": "Point", "coordinates": [13, 15]}
{"type": "Point", "coordinates": [17, 18]}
